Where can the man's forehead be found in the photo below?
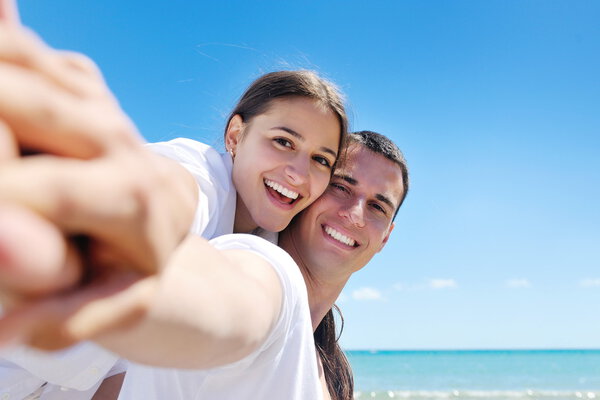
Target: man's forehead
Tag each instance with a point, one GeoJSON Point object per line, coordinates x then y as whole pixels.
{"type": "Point", "coordinates": [359, 158]}
{"type": "Point", "coordinates": [355, 156]}
{"type": "Point", "coordinates": [362, 166]}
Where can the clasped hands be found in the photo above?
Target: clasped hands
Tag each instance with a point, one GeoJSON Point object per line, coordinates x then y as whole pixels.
{"type": "Point", "coordinates": [84, 207]}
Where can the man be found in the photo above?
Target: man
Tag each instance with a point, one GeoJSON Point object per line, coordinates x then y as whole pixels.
{"type": "Point", "coordinates": [351, 222]}
{"type": "Point", "coordinates": [341, 232]}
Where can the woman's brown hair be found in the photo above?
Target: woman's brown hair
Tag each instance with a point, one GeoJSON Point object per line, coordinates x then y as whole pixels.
{"type": "Point", "coordinates": [263, 91]}
{"type": "Point", "coordinates": [336, 366]}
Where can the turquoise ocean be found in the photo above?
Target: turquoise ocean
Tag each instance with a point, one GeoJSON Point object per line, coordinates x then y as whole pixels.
{"type": "Point", "coordinates": [485, 374]}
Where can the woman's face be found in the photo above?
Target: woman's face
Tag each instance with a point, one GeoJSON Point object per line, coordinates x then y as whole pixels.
{"type": "Point", "coordinates": [283, 161]}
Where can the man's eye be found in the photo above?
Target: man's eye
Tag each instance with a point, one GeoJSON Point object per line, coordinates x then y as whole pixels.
{"type": "Point", "coordinates": [338, 187]}
{"type": "Point", "coordinates": [378, 208]}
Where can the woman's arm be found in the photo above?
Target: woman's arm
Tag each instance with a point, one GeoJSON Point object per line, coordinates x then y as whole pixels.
{"type": "Point", "coordinates": [206, 308]}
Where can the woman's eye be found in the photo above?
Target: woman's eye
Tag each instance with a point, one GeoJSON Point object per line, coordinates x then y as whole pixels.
{"type": "Point", "coordinates": [283, 142]}
{"type": "Point", "coordinates": [323, 161]}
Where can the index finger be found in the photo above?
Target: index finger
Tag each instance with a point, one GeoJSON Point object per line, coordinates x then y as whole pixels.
{"type": "Point", "coordinates": [9, 12]}
{"type": "Point", "coordinates": [47, 119]}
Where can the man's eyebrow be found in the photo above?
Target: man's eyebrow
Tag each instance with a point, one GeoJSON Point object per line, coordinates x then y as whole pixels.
{"type": "Point", "coordinates": [346, 178]}
{"type": "Point", "coordinates": [384, 199]}
{"type": "Point", "coordinates": [301, 138]}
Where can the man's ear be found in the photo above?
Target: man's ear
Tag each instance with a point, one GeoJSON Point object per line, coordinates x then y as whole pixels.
{"type": "Point", "coordinates": [234, 132]}
{"type": "Point", "coordinates": [387, 236]}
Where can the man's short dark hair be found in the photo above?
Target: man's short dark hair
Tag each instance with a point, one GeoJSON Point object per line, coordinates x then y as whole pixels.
{"type": "Point", "coordinates": [380, 144]}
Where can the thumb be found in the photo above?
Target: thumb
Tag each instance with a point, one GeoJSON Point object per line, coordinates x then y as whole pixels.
{"type": "Point", "coordinates": [35, 258]}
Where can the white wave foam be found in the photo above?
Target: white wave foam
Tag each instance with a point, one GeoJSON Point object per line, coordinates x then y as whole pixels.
{"type": "Point", "coordinates": [478, 394]}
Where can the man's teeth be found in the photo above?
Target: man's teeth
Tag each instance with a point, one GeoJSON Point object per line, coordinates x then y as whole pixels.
{"type": "Point", "coordinates": [339, 237]}
{"type": "Point", "coordinates": [278, 188]}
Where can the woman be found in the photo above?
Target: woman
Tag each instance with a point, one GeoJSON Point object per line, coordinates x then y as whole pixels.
{"type": "Point", "coordinates": [283, 139]}
{"type": "Point", "coordinates": [286, 142]}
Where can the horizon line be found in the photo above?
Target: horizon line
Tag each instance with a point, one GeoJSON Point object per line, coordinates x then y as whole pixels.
{"type": "Point", "coordinates": [475, 349]}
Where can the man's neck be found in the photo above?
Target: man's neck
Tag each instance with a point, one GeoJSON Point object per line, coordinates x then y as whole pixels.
{"type": "Point", "coordinates": [322, 293]}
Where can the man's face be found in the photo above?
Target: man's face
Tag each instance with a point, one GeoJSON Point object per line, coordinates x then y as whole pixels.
{"type": "Point", "coordinates": [352, 220]}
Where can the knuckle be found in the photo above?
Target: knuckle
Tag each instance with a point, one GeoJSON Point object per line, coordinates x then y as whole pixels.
{"type": "Point", "coordinates": [152, 188]}
{"type": "Point", "coordinates": [81, 62]}
{"type": "Point", "coordinates": [46, 111]}
{"type": "Point", "coordinates": [81, 72]}
{"type": "Point", "coordinates": [64, 207]}
{"type": "Point", "coordinates": [119, 131]}
{"type": "Point", "coordinates": [136, 186]}
{"type": "Point", "coordinates": [21, 46]}
{"type": "Point", "coordinates": [108, 127]}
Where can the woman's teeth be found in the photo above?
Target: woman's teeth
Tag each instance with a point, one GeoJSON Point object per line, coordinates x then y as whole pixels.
{"type": "Point", "coordinates": [280, 189]}
{"type": "Point", "coordinates": [339, 237]}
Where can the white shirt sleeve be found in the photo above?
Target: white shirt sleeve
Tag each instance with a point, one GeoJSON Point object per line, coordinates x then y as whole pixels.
{"type": "Point", "coordinates": [212, 171]}
{"type": "Point", "coordinates": [293, 288]}
{"type": "Point", "coordinates": [80, 367]}
{"type": "Point", "coordinates": [284, 366]}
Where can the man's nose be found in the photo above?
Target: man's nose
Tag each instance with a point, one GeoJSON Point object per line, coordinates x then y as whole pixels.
{"type": "Point", "coordinates": [354, 211]}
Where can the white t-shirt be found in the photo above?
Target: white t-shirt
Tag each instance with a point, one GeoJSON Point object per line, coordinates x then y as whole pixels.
{"type": "Point", "coordinates": [212, 171]}
{"type": "Point", "coordinates": [79, 370]}
{"type": "Point", "coordinates": [283, 367]}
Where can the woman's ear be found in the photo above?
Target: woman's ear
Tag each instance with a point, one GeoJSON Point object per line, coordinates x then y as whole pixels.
{"type": "Point", "coordinates": [233, 135]}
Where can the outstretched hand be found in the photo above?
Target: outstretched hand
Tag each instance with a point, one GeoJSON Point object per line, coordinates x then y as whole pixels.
{"type": "Point", "coordinates": [90, 176]}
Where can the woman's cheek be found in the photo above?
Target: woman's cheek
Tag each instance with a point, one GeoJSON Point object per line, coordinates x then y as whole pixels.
{"type": "Point", "coordinates": [323, 182]}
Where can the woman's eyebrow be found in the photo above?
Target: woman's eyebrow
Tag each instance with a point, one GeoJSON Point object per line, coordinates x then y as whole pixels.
{"type": "Point", "coordinates": [290, 131]}
{"type": "Point", "coordinates": [301, 138]}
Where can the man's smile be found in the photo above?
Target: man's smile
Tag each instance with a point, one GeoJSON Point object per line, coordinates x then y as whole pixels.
{"type": "Point", "coordinates": [340, 237]}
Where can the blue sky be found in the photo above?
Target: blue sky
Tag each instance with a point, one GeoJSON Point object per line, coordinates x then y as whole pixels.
{"type": "Point", "coordinates": [496, 105]}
